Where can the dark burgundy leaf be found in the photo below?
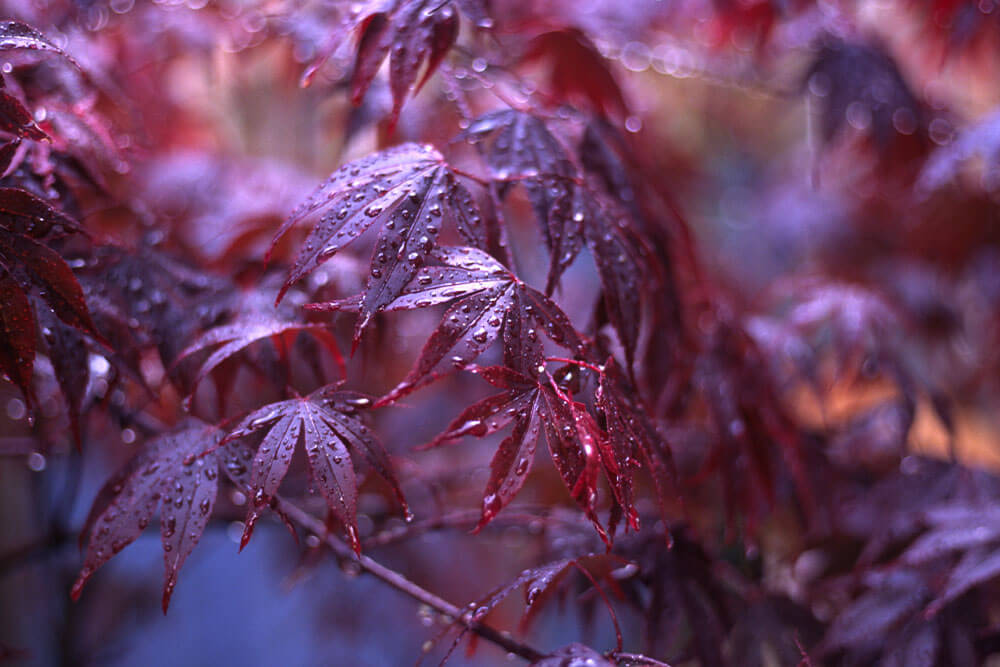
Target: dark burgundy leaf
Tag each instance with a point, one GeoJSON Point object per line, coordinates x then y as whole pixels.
{"type": "Point", "coordinates": [35, 266]}
{"type": "Point", "coordinates": [633, 439]}
{"type": "Point", "coordinates": [408, 189]}
{"type": "Point", "coordinates": [327, 424]}
{"type": "Point", "coordinates": [618, 263]}
{"type": "Point", "coordinates": [533, 406]}
{"type": "Point", "coordinates": [172, 476]}
{"type": "Point", "coordinates": [16, 119]}
{"type": "Point", "coordinates": [413, 33]}
{"type": "Point", "coordinates": [520, 148]}
{"type": "Point", "coordinates": [17, 334]}
{"type": "Point", "coordinates": [7, 154]}
{"type": "Point", "coordinates": [23, 213]}
{"type": "Point", "coordinates": [67, 351]}
{"type": "Point", "coordinates": [493, 301]}
{"type": "Point", "coordinates": [231, 339]}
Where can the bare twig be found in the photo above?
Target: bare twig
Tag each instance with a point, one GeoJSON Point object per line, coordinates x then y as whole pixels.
{"type": "Point", "coordinates": [407, 587]}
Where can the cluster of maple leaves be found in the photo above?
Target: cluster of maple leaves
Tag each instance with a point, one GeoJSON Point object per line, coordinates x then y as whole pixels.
{"type": "Point", "coordinates": [669, 407]}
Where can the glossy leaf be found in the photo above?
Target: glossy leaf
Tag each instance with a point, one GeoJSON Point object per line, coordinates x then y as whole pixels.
{"type": "Point", "coordinates": [327, 424]}
{"type": "Point", "coordinates": [493, 304]}
{"type": "Point", "coordinates": [19, 35]}
{"type": "Point", "coordinates": [16, 119]}
{"type": "Point", "coordinates": [532, 405]}
{"type": "Point", "coordinates": [409, 191]}
{"type": "Point", "coordinates": [35, 266]}
{"type": "Point", "coordinates": [413, 34]}
{"type": "Point", "coordinates": [169, 476]}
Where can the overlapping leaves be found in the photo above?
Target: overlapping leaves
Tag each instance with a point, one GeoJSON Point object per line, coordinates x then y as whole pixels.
{"type": "Point", "coordinates": [533, 406]}
{"type": "Point", "coordinates": [571, 211]}
{"type": "Point", "coordinates": [407, 190]}
{"type": "Point", "coordinates": [230, 339]}
{"type": "Point", "coordinates": [30, 270]}
{"type": "Point", "coordinates": [412, 33]}
{"type": "Point", "coordinates": [494, 303]}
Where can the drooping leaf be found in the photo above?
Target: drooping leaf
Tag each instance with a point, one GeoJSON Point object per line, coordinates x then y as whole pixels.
{"type": "Point", "coordinates": [17, 334]}
{"type": "Point", "coordinates": [144, 300]}
{"type": "Point", "coordinates": [67, 350]}
{"type": "Point", "coordinates": [230, 339]}
{"type": "Point", "coordinates": [23, 213]}
{"type": "Point", "coordinates": [633, 439]}
{"type": "Point", "coordinates": [8, 152]}
{"type": "Point", "coordinates": [409, 190]}
{"type": "Point", "coordinates": [578, 73]}
{"type": "Point", "coordinates": [413, 33]}
{"type": "Point", "coordinates": [329, 428]}
{"type": "Point", "coordinates": [519, 147]}
{"type": "Point", "coordinates": [618, 263]}
{"type": "Point", "coordinates": [494, 302]}
{"type": "Point", "coordinates": [540, 584]}
{"type": "Point", "coordinates": [37, 267]}
{"type": "Point", "coordinates": [533, 406]}
{"type": "Point", "coordinates": [170, 475]}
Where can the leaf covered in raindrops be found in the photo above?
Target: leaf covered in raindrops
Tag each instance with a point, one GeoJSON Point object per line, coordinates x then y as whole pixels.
{"type": "Point", "coordinates": [19, 35]}
{"type": "Point", "coordinates": [573, 654]}
{"type": "Point", "coordinates": [571, 212]}
{"type": "Point", "coordinates": [520, 148]}
{"type": "Point", "coordinates": [170, 476]}
{"type": "Point", "coordinates": [17, 334]}
{"type": "Point", "coordinates": [330, 430]}
{"type": "Point", "coordinates": [493, 304]}
{"type": "Point", "coordinates": [414, 34]}
{"type": "Point", "coordinates": [533, 406]}
{"type": "Point", "coordinates": [408, 191]}
{"type": "Point", "coordinates": [632, 440]}
{"type": "Point", "coordinates": [30, 270]}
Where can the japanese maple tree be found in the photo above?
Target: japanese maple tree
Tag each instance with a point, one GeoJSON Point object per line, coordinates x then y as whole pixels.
{"type": "Point", "coordinates": [678, 318]}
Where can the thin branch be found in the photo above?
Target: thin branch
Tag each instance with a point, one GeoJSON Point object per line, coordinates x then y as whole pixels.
{"type": "Point", "coordinates": [407, 587]}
